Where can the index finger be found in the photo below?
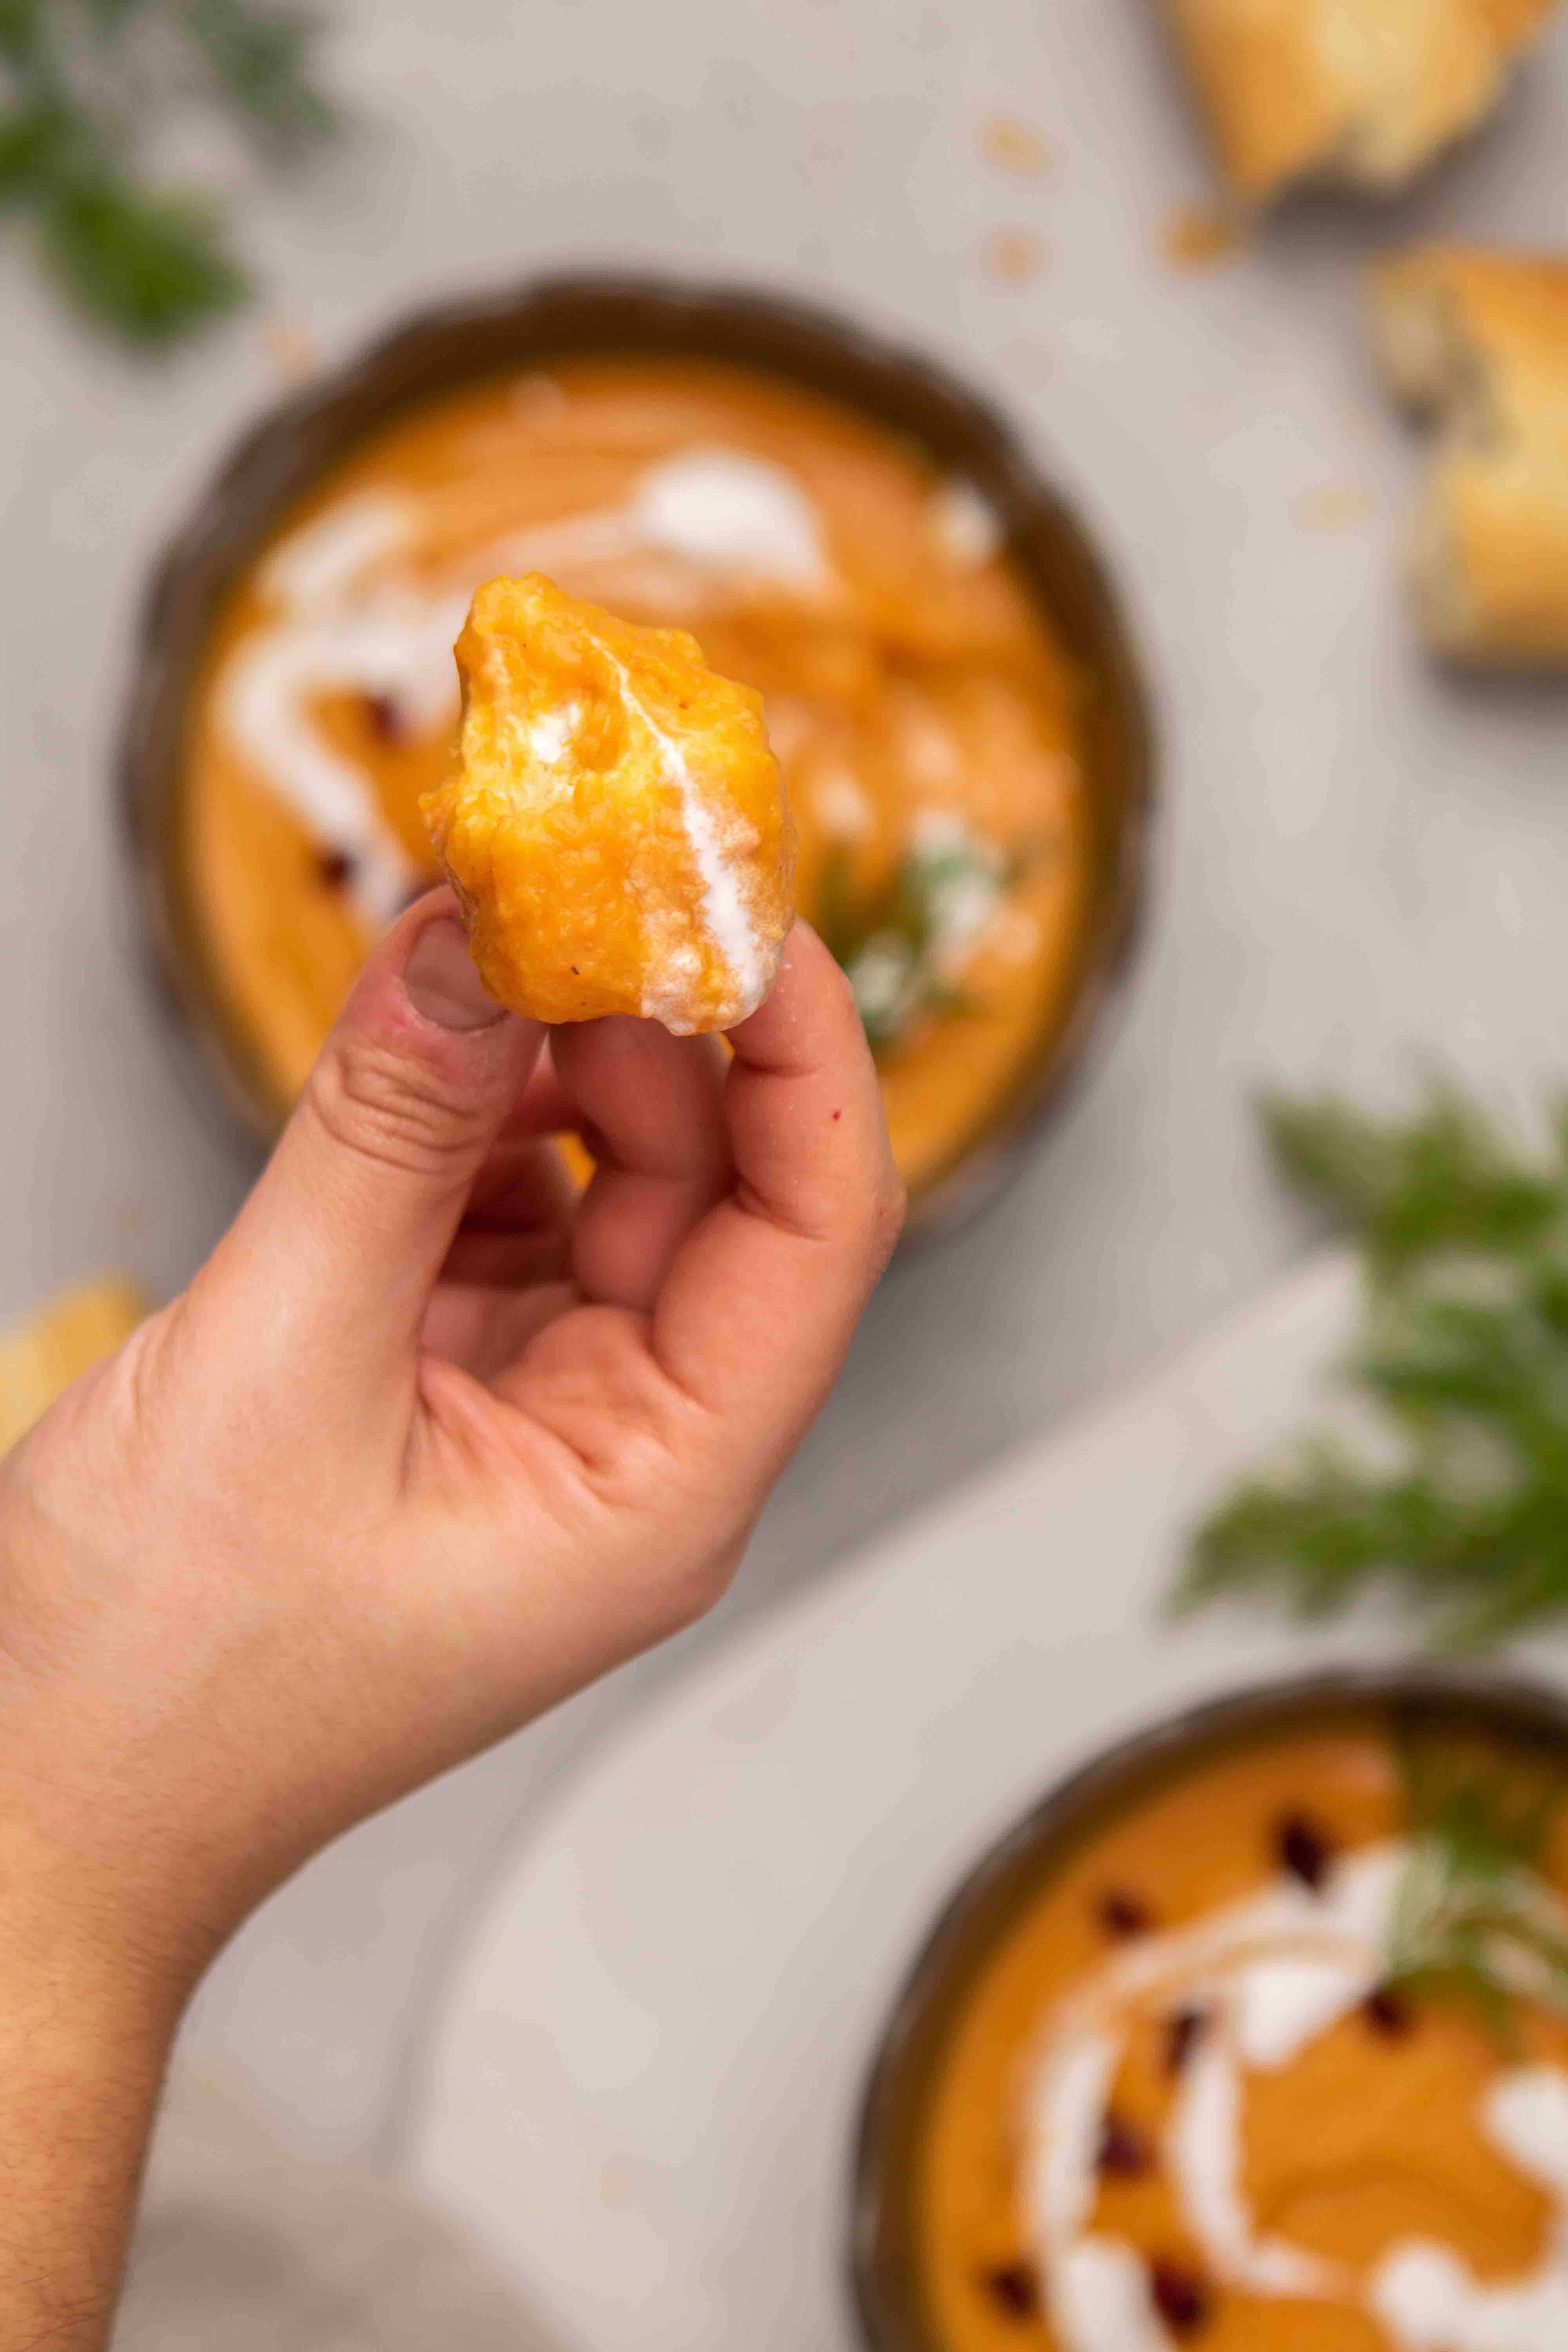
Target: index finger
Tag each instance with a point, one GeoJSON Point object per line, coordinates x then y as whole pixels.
{"type": "Point", "coordinates": [762, 1298]}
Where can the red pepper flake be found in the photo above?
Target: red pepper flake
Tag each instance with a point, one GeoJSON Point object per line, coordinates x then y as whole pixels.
{"type": "Point", "coordinates": [335, 868]}
{"type": "Point", "coordinates": [1389, 2014]}
{"type": "Point", "coordinates": [1121, 1914]}
{"type": "Point", "coordinates": [1123, 2151]}
{"type": "Point", "coordinates": [1185, 2029]}
{"type": "Point", "coordinates": [384, 716]}
{"type": "Point", "coordinates": [1013, 2288]}
{"type": "Point", "coordinates": [1302, 1849]}
{"type": "Point", "coordinates": [1180, 2296]}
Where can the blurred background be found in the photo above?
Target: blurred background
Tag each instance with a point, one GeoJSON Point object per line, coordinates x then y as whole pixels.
{"type": "Point", "coordinates": [1358, 860]}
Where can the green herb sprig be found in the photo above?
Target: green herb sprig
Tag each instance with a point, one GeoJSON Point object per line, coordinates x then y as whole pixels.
{"type": "Point", "coordinates": [892, 942]}
{"type": "Point", "coordinates": [1472, 1916]}
{"type": "Point", "coordinates": [82, 85]}
{"type": "Point", "coordinates": [1457, 1504]}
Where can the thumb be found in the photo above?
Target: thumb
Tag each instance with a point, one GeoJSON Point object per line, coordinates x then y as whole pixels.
{"type": "Point", "coordinates": [340, 1245]}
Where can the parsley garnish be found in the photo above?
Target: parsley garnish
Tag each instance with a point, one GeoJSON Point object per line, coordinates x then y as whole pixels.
{"type": "Point", "coordinates": [1457, 1501]}
{"type": "Point", "coordinates": [83, 83]}
{"type": "Point", "coordinates": [897, 941]}
{"type": "Point", "coordinates": [1472, 1915]}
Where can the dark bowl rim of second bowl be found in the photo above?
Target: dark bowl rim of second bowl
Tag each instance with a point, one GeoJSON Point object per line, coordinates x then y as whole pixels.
{"type": "Point", "coordinates": [296, 439]}
{"type": "Point", "coordinates": [1497, 1700]}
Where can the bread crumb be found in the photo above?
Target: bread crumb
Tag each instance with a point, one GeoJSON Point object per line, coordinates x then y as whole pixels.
{"type": "Point", "coordinates": [1194, 236]}
{"type": "Point", "coordinates": [1013, 257]}
{"type": "Point", "coordinates": [1012, 145]}
{"type": "Point", "coordinates": [290, 346]}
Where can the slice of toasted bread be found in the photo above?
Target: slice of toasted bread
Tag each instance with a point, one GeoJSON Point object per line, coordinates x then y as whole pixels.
{"type": "Point", "coordinates": [1477, 342]}
{"type": "Point", "coordinates": [42, 1354]}
{"type": "Point", "coordinates": [615, 827]}
{"type": "Point", "coordinates": [1354, 93]}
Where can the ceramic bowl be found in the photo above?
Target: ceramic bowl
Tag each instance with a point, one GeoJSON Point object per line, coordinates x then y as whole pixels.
{"type": "Point", "coordinates": [983, 1909]}
{"type": "Point", "coordinates": [527, 328]}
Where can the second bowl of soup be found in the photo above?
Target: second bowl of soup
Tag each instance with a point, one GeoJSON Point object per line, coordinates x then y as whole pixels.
{"type": "Point", "coordinates": [1254, 2038]}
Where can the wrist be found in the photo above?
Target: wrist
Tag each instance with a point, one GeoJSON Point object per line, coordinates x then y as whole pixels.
{"type": "Point", "coordinates": [79, 1966]}
{"type": "Point", "coordinates": [87, 2015]}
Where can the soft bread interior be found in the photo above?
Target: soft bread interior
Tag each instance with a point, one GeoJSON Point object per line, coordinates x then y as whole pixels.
{"type": "Point", "coordinates": [1420, 347]}
{"type": "Point", "coordinates": [1438, 372]}
{"type": "Point", "coordinates": [1445, 611]}
{"type": "Point", "coordinates": [1424, 358]}
{"type": "Point", "coordinates": [1422, 72]}
{"type": "Point", "coordinates": [1428, 361]}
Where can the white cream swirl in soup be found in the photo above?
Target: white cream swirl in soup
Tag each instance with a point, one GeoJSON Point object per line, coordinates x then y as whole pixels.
{"type": "Point", "coordinates": [1203, 2096]}
{"type": "Point", "coordinates": [927, 722]}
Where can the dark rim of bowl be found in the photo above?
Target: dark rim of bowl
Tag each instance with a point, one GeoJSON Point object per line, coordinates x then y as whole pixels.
{"type": "Point", "coordinates": [441, 348]}
{"type": "Point", "coordinates": [1504, 1705]}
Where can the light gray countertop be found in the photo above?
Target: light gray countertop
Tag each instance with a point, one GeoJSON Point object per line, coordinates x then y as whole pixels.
{"type": "Point", "coordinates": [1358, 861]}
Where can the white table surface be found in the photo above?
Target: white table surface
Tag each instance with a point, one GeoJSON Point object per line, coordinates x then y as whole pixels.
{"type": "Point", "coordinates": [642, 2088]}
{"type": "Point", "coordinates": [1357, 858]}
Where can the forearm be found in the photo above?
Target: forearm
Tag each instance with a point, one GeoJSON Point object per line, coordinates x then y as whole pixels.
{"type": "Point", "coordinates": [84, 2034]}
{"type": "Point", "coordinates": [378, 1487]}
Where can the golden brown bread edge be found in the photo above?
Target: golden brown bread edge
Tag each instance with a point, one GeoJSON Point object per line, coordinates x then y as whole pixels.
{"type": "Point", "coordinates": [1476, 342]}
{"type": "Point", "coordinates": [42, 1354]}
{"type": "Point", "coordinates": [1357, 94]}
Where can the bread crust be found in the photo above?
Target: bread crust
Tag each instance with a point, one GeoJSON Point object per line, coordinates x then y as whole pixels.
{"type": "Point", "coordinates": [614, 825]}
{"type": "Point", "coordinates": [1478, 341]}
{"type": "Point", "coordinates": [1362, 93]}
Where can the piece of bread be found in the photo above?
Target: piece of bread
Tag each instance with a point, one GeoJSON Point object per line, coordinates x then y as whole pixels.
{"type": "Point", "coordinates": [616, 827]}
{"type": "Point", "coordinates": [1352, 93]}
{"type": "Point", "coordinates": [41, 1355]}
{"type": "Point", "coordinates": [1478, 341]}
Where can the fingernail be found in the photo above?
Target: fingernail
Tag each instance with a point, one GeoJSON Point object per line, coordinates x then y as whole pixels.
{"type": "Point", "coordinates": [442, 982]}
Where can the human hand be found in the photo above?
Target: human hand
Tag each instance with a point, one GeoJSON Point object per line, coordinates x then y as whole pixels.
{"type": "Point", "coordinates": [425, 1446]}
